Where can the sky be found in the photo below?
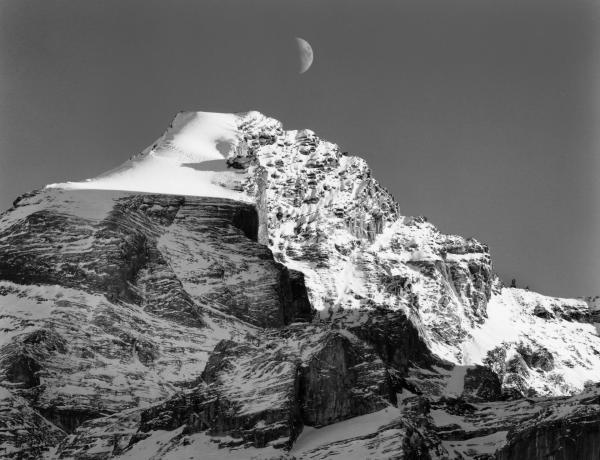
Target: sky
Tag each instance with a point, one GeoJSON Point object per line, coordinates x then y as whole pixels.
{"type": "Point", "coordinates": [481, 115]}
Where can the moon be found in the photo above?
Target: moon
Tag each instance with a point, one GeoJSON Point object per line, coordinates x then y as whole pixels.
{"type": "Point", "coordinates": [306, 54]}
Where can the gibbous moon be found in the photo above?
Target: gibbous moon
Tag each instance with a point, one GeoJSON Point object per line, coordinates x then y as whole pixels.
{"type": "Point", "coordinates": [306, 54]}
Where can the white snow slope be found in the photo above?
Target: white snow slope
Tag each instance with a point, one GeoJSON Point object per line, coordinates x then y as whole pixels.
{"type": "Point", "coordinates": [170, 164]}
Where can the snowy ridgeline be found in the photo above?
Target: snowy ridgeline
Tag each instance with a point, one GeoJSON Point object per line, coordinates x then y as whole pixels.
{"type": "Point", "coordinates": [143, 316]}
{"type": "Point", "coordinates": [172, 165]}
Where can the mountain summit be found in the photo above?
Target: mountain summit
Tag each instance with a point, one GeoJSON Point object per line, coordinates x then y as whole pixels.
{"type": "Point", "coordinates": [241, 291]}
{"type": "Point", "coordinates": [188, 159]}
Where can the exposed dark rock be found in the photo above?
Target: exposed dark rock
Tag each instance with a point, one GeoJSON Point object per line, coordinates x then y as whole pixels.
{"type": "Point", "coordinates": [542, 312]}
{"type": "Point", "coordinates": [294, 298]}
{"type": "Point", "coordinates": [121, 255]}
{"type": "Point", "coordinates": [575, 437]}
{"type": "Point", "coordinates": [496, 360]}
{"type": "Point", "coordinates": [394, 338]}
{"type": "Point", "coordinates": [580, 312]}
{"type": "Point", "coordinates": [22, 360]}
{"type": "Point", "coordinates": [163, 294]}
{"type": "Point", "coordinates": [457, 406]}
{"type": "Point", "coordinates": [124, 261]}
{"type": "Point", "coordinates": [537, 358]}
{"type": "Point", "coordinates": [101, 438]}
{"type": "Point", "coordinates": [341, 381]}
{"type": "Point", "coordinates": [481, 383]}
{"type": "Point", "coordinates": [24, 433]}
{"type": "Point", "coordinates": [22, 370]}
{"type": "Point", "coordinates": [146, 351]}
{"type": "Point", "coordinates": [221, 403]}
{"type": "Point", "coordinates": [514, 372]}
{"type": "Point", "coordinates": [262, 392]}
{"type": "Point", "coordinates": [193, 409]}
{"type": "Point", "coordinates": [474, 283]}
{"type": "Point", "coordinates": [68, 419]}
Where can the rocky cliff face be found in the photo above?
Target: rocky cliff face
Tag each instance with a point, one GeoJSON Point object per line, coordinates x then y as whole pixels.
{"type": "Point", "coordinates": [241, 291]}
{"type": "Point", "coordinates": [116, 305]}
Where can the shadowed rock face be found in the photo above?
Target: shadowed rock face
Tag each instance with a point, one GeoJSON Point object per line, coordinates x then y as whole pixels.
{"type": "Point", "coordinates": [24, 433]}
{"type": "Point", "coordinates": [265, 391]}
{"type": "Point", "coordinates": [22, 361]}
{"type": "Point", "coordinates": [230, 403]}
{"type": "Point", "coordinates": [295, 297]}
{"type": "Point", "coordinates": [136, 290]}
{"type": "Point", "coordinates": [483, 384]}
{"type": "Point", "coordinates": [574, 439]}
{"type": "Point", "coordinates": [575, 435]}
{"type": "Point", "coordinates": [394, 337]}
{"type": "Point", "coordinates": [342, 380]}
{"type": "Point", "coordinates": [137, 253]}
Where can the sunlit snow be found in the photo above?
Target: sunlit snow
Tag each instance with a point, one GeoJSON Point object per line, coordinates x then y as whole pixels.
{"type": "Point", "coordinates": [168, 165]}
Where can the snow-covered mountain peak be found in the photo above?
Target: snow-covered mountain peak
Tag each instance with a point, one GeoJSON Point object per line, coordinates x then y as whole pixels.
{"type": "Point", "coordinates": [192, 156]}
{"type": "Point", "coordinates": [323, 214]}
{"type": "Point", "coordinates": [236, 285]}
{"type": "Point", "coordinates": [188, 159]}
{"type": "Point", "coordinates": [196, 137]}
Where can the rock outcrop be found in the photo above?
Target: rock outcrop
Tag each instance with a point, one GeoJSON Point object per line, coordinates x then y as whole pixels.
{"type": "Point", "coordinates": [117, 309]}
{"type": "Point", "coordinates": [263, 393]}
{"type": "Point", "coordinates": [24, 432]}
{"type": "Point", "coordinates": [567, 430]}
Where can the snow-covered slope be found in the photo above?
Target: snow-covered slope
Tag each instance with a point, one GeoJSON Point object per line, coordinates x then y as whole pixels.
{"type": "Point", "coordinates": [162, 309]}
{"type": "Point", "coordinates": [188, 159]}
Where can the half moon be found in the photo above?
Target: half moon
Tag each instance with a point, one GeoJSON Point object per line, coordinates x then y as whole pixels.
{"type": "Point", "coordinates": [306, 54]}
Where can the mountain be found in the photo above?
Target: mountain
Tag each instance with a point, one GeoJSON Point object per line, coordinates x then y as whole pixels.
{"type": "Point", "coordinates": [241, 291]}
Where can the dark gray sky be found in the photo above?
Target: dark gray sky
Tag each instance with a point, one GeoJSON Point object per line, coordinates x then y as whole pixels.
{"type": "Point", "coordinates": [481, 115]}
